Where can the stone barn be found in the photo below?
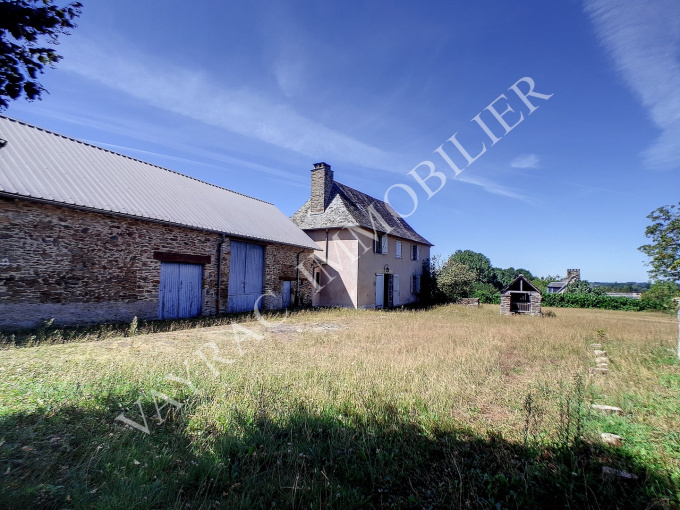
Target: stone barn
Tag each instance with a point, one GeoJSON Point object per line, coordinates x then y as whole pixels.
{"type": "Point", "coordinates": [88, 235]}
{"type": "Point", "coordinates": [520, 297]}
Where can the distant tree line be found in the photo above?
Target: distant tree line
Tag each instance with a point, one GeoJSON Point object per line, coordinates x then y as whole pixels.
{"type": "Point", "coordinates": [623, 287]}
{"type": "Point", "coordinates": [467, 273]}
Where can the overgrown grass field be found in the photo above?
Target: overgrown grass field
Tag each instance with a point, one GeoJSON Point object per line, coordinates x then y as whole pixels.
{"type": "Point", "coordinates": [440, 408]}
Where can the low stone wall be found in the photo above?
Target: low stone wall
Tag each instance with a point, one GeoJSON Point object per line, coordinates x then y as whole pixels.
{"type": "Point", "coordinates": [469, 302]}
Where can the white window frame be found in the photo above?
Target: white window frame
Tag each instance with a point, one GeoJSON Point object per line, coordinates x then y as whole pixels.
{"type": "Point", "coordinates": [385, 244]}
{"type": "Point", "coordinates": [398, 250]}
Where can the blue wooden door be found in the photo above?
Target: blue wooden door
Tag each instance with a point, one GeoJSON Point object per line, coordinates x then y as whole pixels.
{"type": "Point", "coordinates": [179, 294]}
{"type": "Point", "coordinates": [246, 274]}
{"type": "Point", "coordinates": [286, 294]}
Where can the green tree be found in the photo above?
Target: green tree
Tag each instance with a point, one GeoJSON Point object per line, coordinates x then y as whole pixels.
{"type": "Point", "coordinates": [583, 287]}
{"type": "Point", "coordinates": [504, 277]}
{"type": "Point", "coordinates": [543, 282]}
{"type": "Point", "coordinates": [478, 262]}
{"type": "Point", "coordinates": [23, 26]}
{"type": "Point", "coordinates": [661, 296]}
{"type": "Point", "coordinates": [455, 279]}
{"type": "Point", "coordinates": [664, 249]}
{"type": "Point", "coordinates": [430, 293]}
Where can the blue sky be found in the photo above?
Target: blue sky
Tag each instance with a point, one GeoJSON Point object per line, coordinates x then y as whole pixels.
{"type": "Point", "coordinates": [248, 95]}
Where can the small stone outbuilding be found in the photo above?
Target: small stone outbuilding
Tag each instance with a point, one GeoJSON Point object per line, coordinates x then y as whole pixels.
{"type": "Point", "coordinates": [521, 297]}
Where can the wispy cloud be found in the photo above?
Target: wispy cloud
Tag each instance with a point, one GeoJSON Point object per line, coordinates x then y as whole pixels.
{"type": "Point", "coordinates": [526, 161]}
{"type": "Point", "coordinates": [643, 38]}
{"type": "Point", "coordinates": [193, 93]}
{"type": "Point", "coordinates": [492, 187]}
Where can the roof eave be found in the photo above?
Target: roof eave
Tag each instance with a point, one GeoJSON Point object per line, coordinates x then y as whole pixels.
{"type": "Point", "coordinates": [311, 246]}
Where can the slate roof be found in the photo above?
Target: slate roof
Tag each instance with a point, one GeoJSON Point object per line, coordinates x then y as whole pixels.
{"type": "Point", "coordinates": [351, 208]}
{"type": "Point", "coordinates": [527, 282]}
{"type": "Point", "coordinates": [42, 165]}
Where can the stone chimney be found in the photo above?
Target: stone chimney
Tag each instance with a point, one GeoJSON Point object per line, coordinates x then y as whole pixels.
{"type": "Point", "coordinates": [322, 182]}
{"type": "Point", "coordinates": [574, 274]}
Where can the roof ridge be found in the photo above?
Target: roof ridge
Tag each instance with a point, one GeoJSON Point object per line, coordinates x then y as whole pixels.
{"type": "Point", "coordinates": [18, 121]}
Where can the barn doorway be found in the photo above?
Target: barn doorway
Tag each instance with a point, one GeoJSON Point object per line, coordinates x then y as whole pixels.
{"type": "Point", "coordinates": [520, 302]}
{"type": "Point", "coordinates": [180, 290]}
{"type": "Point", "coordinates": [246, 275]}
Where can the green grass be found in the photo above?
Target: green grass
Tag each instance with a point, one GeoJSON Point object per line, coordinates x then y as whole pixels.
{"type": "Point", "coordinates": [345, 409]}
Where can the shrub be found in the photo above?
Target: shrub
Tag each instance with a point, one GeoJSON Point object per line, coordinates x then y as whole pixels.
{"type": "Point", "coordinates": [455, 279]}
{"type": "Point", "coordinates": [598, 301]}
{"type": "Point", "coordinates": [486, 293]}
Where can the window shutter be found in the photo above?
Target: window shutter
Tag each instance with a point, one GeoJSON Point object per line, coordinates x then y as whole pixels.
{"type": "Point", "coordinates": [417, 252]}
{"type": "Point", "coordinates": [417, 283]}
{"type": "Point", "coordinates": [376, 243]}
{"type": "Point", "coordinates": [383, 239]}
{"type": "Point", "coordinates": [398, 254]}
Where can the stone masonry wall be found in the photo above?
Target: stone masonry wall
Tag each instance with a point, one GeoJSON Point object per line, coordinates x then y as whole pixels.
{"type": "Point", "coordinates": [85, 267]}
{"type": "Point", "coordinates": [279, 266]}
{"type": "Point", "coordinates": [535, 298]}
{"type": "Point", "coordinates": [322, 182]}
{"type": "Point", "coordinates": [505, 304]}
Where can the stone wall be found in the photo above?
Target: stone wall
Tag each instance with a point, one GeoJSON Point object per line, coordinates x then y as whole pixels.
{"type": "Point", "coordinates": [85, 267]}
{"type": "Point", "coordinates": [279, 266]}
{"type": "Point", "coordinates": [505, 304]}
{"type": "Point", "coordinates": [474, 302]}
{"type": "Point", "coordinates": [535, 298]}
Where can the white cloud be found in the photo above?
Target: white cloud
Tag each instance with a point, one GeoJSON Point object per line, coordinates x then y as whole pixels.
{"type": "Point", "coordinates": [526, 161]}
{"type": "Point", "coordinates": [491, 187]}
{"type": "Point", "coordinates": [643, 38]}
{"type": "Point", "coordinates": [191, 92]}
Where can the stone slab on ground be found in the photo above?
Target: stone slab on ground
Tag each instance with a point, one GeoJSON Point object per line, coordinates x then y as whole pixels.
{"type": "Point", "coordinates": [601, 359]}
{"type": "Point", "coordinates": [596, 346]}
{"type": "Point", "coordinates": [610, 471]}
{"type": "Point", "coordinates": [606, 409]}
{"type": "Point", "coordinates": [600, 353]}
{"type": "Point", "coordinates": [599, 371]}
{"type": "Point", "coordinates": [611, 439]}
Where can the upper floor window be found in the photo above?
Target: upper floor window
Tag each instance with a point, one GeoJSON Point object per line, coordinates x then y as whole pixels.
{"type": "Point", "coordinates": [398, 249]}
{"type": "Point", "coordinates": [415, 252]}
{"type": "Point", "coordinates": [380, 245]}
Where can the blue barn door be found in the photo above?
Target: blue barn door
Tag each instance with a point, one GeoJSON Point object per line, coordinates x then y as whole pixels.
{"type": "Point", "coordinates": [246, 274]}
{"type": "Point", "coordinates": [286, 294]}
{"type": "Point", "coordinates": [179, 295]}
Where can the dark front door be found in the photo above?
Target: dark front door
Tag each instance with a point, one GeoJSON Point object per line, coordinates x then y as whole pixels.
{"type": "Point", "coordinates": [246, 272]}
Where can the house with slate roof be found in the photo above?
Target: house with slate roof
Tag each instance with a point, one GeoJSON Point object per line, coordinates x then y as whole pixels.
{"type": "Point", "coordinates": [573, 275]}
{"type": "Point", "coordinates": [369, 256]}
{"type": "Point", "coordinates": [89, 235]}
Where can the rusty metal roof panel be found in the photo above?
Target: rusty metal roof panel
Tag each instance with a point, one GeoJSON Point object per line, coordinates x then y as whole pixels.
{"type": "Point", "coordinates": [39, 164]}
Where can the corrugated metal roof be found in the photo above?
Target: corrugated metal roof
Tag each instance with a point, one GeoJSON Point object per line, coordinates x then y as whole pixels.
{"type": "Point", "coordinates": [39, 164]}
